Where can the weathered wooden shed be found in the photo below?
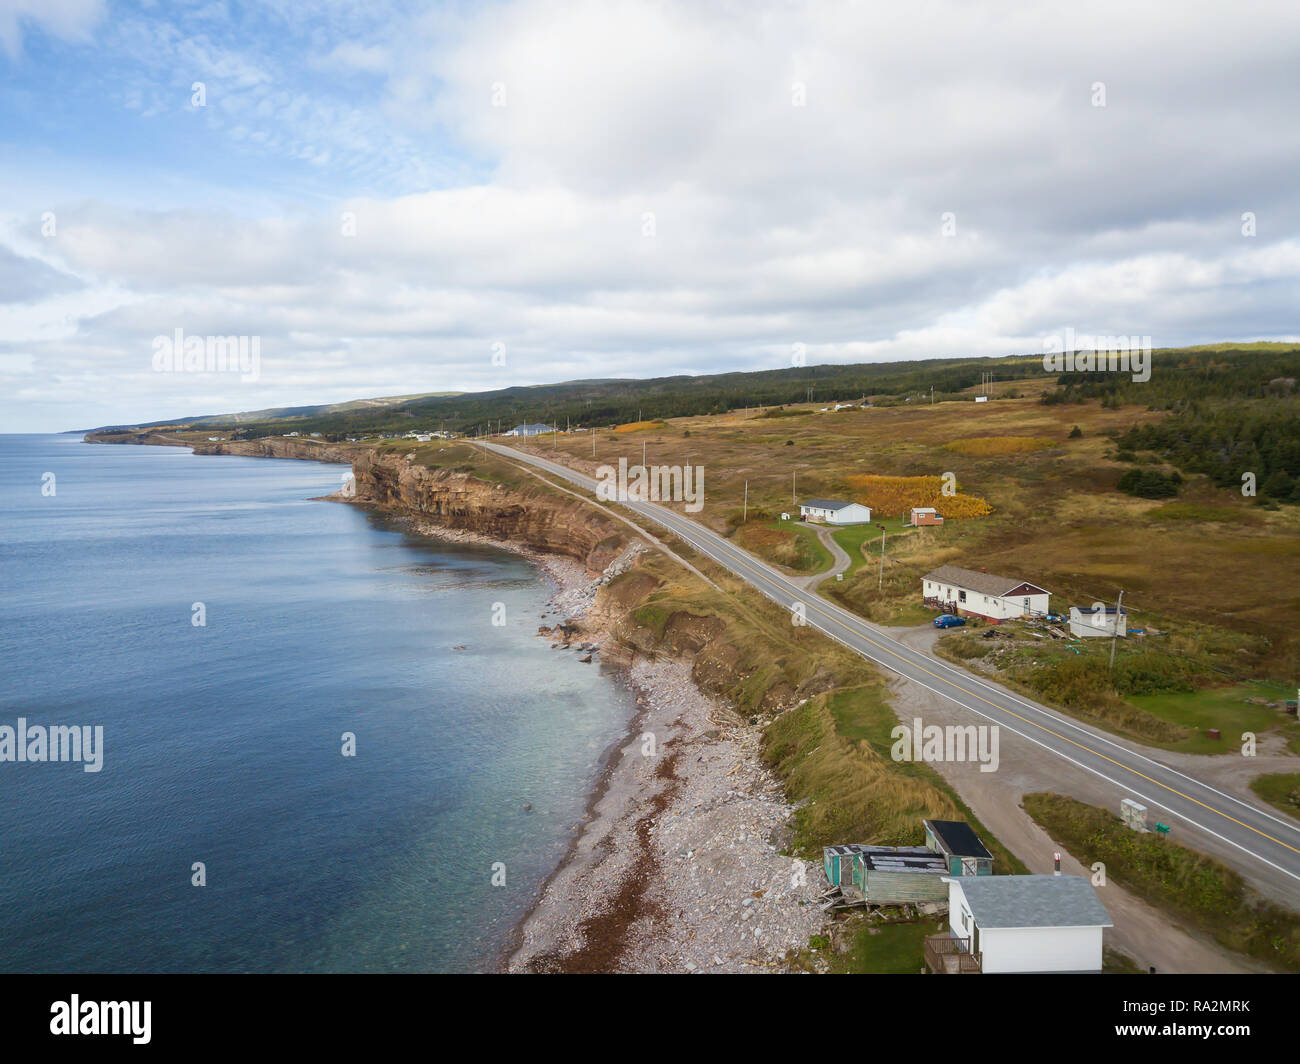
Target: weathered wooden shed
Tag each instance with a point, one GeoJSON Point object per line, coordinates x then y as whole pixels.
{"type": "Point", "coordinates": [886, 875]}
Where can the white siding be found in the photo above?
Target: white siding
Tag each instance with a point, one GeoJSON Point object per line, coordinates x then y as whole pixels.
{"type": "Point", "coordinates": [853, 514]}
{"type": "Point", "coordinates": [1026, 949]}
{"type": "Point", "coordinates": [986, 605]}
{"type": "Point", "coordinates": [1041, 949]}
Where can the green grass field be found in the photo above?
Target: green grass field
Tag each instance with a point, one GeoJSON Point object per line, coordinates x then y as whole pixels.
{"type": "Point", "coordinates": [885, 949]}
{"type": "Point", "coordinates": [1224, 708]}
{"type": "Point", "coordinates": [1280, 789]}
{"type": "Point", "coordinates": [853, 538]}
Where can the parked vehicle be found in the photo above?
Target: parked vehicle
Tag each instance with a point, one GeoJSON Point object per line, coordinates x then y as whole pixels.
{"type": "Point", "coordinates": [948, 620]}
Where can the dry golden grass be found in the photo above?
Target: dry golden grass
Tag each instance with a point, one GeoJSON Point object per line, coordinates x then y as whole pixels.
{"type": "Point", "coordinates": [640, 426]}
{"type": "Point", "coordinates": [1057, 518]}
{"type": "Point", "coordinates": [987, 445]}
{"type": "Point", "coordinates": [895, 496]}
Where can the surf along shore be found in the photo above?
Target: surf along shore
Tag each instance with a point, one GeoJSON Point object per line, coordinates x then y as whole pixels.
{"type": "Point", "coordinates": [755, 741]}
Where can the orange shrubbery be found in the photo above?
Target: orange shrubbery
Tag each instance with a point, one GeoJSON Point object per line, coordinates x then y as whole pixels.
{"type": "Point", "coordinates": [984, 445]}
{"type": "Point", "coordinates": [895, 496]}
{"type": "Point", "coordinates": [637, 426]}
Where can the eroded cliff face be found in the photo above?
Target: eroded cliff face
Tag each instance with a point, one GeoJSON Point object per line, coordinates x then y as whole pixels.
{"type": "Point", "coordinates": [534, 517]}
{"type": "Point", "coordinates": [271, 447]}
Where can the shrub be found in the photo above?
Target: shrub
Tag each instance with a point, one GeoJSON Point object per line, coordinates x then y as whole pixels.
{"type": "Point", "coordinates": [1076, 432]}
{"type": "Point", "coordinates": [1149, 484]}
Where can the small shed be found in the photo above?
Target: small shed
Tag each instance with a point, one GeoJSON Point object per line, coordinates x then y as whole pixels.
{"type": "Point", "coordinates": [886, 875]}
{"type": "Point", "coordinates": [957, 843]}
{"type": "Point", "coordinates": [1089, 622]}
{"type": "Point", "coordinates": [925, 515]}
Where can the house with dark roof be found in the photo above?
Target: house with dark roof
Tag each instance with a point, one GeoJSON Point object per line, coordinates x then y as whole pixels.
{"type": "Point", "coordinates": [832, 512]}
{"type": "Point", "coordinates": [979, 593]}
{"type": "Point", "coordinates": [961, 848]}
{"type": "Point", "coordinates": [1020, 924]}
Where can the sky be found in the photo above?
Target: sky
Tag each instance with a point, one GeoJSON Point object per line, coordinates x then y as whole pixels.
{"type": "Point", "coordinates": [393, 198]}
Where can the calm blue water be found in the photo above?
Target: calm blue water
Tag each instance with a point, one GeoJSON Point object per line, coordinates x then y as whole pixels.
{"type": "Point", "coordinates": [223, 743]}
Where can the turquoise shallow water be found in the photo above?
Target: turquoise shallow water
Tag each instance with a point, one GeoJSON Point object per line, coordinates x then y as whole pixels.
{"type": "Point", "coordinates": [222, 744]}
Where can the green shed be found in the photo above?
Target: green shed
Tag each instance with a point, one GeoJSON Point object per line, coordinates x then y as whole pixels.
{"type": "Point", "coordinates": [961, 848]}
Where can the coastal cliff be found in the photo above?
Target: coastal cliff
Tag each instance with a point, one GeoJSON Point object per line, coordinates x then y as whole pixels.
{"type": "Point", "coordinates": [542, 520]}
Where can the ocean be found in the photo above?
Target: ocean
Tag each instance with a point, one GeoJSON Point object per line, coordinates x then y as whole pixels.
{"type": "Point", "coordinates": [223, 743]}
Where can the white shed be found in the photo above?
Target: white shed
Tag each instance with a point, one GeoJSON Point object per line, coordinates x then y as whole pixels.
{"type": "Point", "coordinates": [832, 512]}
{"type": "Point", "coordinates": [1028, 923]}
{"type": "Point", "coordinates": [1098, 620]}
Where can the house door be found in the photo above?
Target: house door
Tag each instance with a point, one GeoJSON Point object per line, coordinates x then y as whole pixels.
{"type": "Point", "coordinates": [975, 938]}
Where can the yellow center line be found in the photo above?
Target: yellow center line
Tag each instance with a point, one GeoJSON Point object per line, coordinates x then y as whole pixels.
{"type": "Point", "coordinates": [744, 562]}
{"type": "Point", "coordinates": [1064, 738]}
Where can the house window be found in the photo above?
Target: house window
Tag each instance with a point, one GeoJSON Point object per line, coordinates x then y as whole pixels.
{"type": "Point", "coordinates": [961, 596]}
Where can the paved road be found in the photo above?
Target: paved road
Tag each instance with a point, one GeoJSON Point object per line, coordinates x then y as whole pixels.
{"type": "Point", "coordinates": [1254, 835]}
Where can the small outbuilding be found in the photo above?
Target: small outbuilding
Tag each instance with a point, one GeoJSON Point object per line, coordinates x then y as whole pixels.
{"type": "Point", "coordinates": [1087, 622]}
{"type": "Point", "coordinates": [960, 847]}
{"type": "Point", "coordinates": [832, 512]}
{"type": "Point", "coordinates": [886, 875]}
{"type": "Point", "coordinates": [925, 515]}
{"type": "Point", "coordinates": [1020, 924]}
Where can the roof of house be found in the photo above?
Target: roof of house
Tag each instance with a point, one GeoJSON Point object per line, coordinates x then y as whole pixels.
{"type": "Point", "coordinates": [957, 838]}
{"type": "Point", "coordinates": [1033, 901]}
{"type": "Point", "coordinates": [535, 427]}
{"type": "Point", "coordinates": [892, 858]}
{"type": "Point", "coordinates": [827, 504]}
{"type": "Point", "coordinates": [974, 580]}
{"type": "Point", "coordinates": [1095, 609]}
{"type": "Point", "coordinates": [923, 509]}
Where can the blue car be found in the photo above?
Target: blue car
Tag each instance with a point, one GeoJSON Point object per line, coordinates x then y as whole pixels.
{"type": "Point", "coordinates": [948, 620]}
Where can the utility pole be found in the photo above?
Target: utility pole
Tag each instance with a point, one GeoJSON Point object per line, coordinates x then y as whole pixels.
{"type": "Point", "coordinates": [593, 441]}
{"type": "Point", "coordinates": [794, 488]}
{"type": "Point", "coordinates": [1114, 631]}
{"type": "Point", "coordinates": [880, 585]}
{"type": "Point", "coordinates": [745, 513]}
{"type": "Point", "coordinates": [643, 454]}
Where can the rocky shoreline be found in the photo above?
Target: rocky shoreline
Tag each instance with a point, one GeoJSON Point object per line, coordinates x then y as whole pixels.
{"type": "Point", "coordinates": [681, 862]}
{"type": "Point", "coordinates": [677, 865]}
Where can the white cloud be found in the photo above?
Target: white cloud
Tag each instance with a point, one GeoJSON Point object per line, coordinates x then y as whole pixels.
{"type": "Point", "coordinates": [69, 20]}
{"type": "Point", "coordinates": [773, 223]}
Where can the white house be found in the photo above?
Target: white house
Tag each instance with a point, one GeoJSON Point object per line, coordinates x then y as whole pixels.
{"type": "Point", "coordinates": [1089, 621]}
{"type": "Point", "coordinates": [978, 593]}
{"type": "Point", "coordinates": [529, 430]}
{"type": "Point", "coordinates": [831, 512]}
{"type": "Point", "coordinates": [1027, 923]}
